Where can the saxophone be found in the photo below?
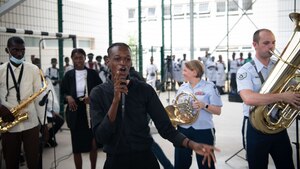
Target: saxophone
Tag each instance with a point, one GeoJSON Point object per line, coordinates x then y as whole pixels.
{"type": "Point", "coordinates": [16, 111]}
{"type": "Point", "coordinates": [283, 78]}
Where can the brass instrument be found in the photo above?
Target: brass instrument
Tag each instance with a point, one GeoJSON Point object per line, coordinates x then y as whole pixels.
{"type": "Point", "coordinates": [273, 118]}
{"type": "Point", "coordinates": [16, 111]}
{"type": "Point", "coordinates": [181, 112]}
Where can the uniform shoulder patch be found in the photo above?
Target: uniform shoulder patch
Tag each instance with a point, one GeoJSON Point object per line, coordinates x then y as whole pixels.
{"type": "Point", "coordinates": [242, 76]}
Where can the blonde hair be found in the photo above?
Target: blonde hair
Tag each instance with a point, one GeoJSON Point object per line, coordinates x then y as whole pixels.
{"type": "Point", "coordinates": [197, 66]}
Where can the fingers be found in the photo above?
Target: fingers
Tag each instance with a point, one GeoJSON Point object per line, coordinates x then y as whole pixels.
{"type": "Point", "coordinates": [120, 83]}
{"type": "Point", "coordinates": [198, 105]}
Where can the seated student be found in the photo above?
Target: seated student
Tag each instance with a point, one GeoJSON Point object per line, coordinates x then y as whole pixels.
{"type": "Point", "coordinates": [54, 119]}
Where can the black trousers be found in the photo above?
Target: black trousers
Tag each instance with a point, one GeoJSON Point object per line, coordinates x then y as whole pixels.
{"type": "Point", "coordinates": [260, 146]}
{"type": "Point", "coordinates": [11, 143]}
{"type": "Point", "coordinates": [133, 160]}
{"type": "Point", "coordinates": [57, 122]}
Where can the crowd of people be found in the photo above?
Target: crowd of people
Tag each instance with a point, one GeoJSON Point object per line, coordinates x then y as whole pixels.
{"type": "Point", "coordinates": [109, 105]}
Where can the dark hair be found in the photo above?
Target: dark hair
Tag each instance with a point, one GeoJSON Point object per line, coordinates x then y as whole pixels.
{"type": "Point", "coordinates": [14, 39]}
{"type": "Point", "coordinates": [77, 50]}
{"type": "Point", "coordinates": [98, 57]}
{"type": "Point", "coordinates": [120, 44]}
{"type": "Point", "coordinates": [256, 34]}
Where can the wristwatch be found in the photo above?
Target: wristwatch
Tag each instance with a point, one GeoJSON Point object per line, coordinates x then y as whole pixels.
{"type": "Point", "coordinates": [206, 106]}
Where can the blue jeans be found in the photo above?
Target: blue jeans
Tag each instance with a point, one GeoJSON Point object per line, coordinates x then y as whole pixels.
{"type": "Point", "coordinates": [160, 155]}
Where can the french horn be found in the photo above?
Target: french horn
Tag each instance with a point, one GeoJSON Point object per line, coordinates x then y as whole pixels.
{"type": "Point", "coordinates": [182, 111]}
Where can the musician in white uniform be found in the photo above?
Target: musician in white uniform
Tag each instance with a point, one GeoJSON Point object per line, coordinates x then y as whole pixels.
{"type": "Point", "coordinates": [151, 73]}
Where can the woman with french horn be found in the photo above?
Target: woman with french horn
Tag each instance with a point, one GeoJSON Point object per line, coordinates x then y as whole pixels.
{"type": "Point", "coordinates": [76, 87]}
{"type": "Point", "coordinates": [207, 102]}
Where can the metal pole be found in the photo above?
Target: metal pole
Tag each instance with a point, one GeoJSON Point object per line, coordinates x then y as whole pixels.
{"type": "Point", "coordinates": [60, 52]}
{"type": "Point", "coordinates": [140, 39]}
{"type": "Point", "coordinates": [171, 18]}
{"type": "Point", "coordinates": [192, 29]}
{"type": "Point", "coordinates": [109, 23]}
{"type": "Point", "coordinates": [162, 55]}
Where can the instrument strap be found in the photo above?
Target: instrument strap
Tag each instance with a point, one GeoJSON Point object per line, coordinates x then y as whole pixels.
{"type": "Point", "coordinates": [16, 84]}
{"type": "Point", "coordinates": [259, 73]}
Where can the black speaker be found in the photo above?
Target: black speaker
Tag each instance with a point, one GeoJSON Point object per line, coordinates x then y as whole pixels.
{"type": "Point", "coordinates": [234, 97]}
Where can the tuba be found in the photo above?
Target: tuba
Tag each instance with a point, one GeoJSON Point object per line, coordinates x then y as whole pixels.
{"type": "Point", "coordinates": [273, 118]}
{"type": "Point", "coordinates": [181, 112]}
{"type": "Point", "coordinates": [16, 111]}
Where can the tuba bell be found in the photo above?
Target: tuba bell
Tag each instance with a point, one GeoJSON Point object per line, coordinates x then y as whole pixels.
{"type": "Point", "coordinates": [16, 111]}
{"type": "Point", "coordinates": [182, 111]}
{"type": "Point", "coordinates": [273, 118]}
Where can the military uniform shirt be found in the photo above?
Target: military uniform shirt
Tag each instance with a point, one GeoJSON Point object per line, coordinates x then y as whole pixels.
{"type": "Point", "coordinates": [205, 92]}
{"type": "Point", "coordinates": [248, 78]}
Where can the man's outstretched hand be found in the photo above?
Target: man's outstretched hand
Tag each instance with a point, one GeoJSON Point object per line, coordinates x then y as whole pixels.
{"type": "Point", "coordinates": [207, 151]}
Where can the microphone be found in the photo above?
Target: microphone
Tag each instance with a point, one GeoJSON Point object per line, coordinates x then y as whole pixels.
{"type": "Point", "coordinates": [44, 99]}
{"type": "Point", "coordinates": [123, 102]}
{"type": "Point", "coordinates": [123, 69]}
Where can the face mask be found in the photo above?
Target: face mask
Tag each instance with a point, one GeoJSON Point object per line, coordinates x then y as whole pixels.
{"type": "Point", "coordinates": [17, 61]}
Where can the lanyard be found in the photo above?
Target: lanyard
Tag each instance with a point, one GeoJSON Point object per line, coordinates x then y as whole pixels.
{"type": "Point", "coordinates": [16, 84]}
{"type": "Point", "coordinates": [259, 73]}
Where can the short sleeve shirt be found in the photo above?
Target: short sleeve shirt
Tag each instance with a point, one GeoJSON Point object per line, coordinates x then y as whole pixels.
{"type": "Point", "coordinates": [248, 78]}
{"type": "Point", "coordinates": [205, 92]}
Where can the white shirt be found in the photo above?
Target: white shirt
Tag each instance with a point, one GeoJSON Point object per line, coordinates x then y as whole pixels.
{"type": "Point", "coordinates": [30, 84]}
{"type": "Point", "coordinates": [53, 103]}
{"type": "Point", "coordinates": [233, 66]}
{"type": "Point", "coordinates": [81, 76]}
{"type": "Point", "coordinates": [150, 70]}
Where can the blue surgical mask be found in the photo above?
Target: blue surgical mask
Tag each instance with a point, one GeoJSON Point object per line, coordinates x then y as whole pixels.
{"type": "Point", "coordinates": [17, 61]}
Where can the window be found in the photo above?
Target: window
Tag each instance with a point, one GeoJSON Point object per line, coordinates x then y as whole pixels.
{"type": "Point", "coordinates": [68, 43]}
{"type": "Point", "coordinates": [233, 6]}
{"type": "Point", "coordinates": [85, 43]}
{"type": "Point", "coordinates": [31, 41]}
{"type": "Point", "coordinates": [51, 43]}
{"type": "Point", "coordinates": [247, 5]}
{"type": "Point", "coordinates": [144, 12]}
{"type": "Point", "coordinates": [178, 10]}
{"type": "Point", "coordinates": [204, 7]}
{"type": "Point", "coordinates": [188, 9]}
{"type": "Point", "coordinates": [151, 12]}
{"type": "Point", "coordinates": [221, 6]}
{"type": "Point", "coordinates": [131, 13]}
{"type": "Point", "coordinates": [167, 10]}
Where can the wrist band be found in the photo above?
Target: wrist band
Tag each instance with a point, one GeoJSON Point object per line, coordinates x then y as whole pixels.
{"type": "Point", "coordinates": [188, 143]}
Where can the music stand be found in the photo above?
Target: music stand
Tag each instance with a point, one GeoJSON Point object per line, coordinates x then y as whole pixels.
{"type": "Point", "coordinates": [236, 154]}
{"type": "Point", "coordinates": [297, 143]}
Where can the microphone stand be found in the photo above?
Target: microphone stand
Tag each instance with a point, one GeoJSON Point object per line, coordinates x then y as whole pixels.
{"type": "Point", "coordinates": [42, 142]}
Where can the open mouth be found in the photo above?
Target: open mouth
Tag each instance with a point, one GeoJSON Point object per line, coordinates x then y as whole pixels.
{"type": "Point", "coordinates": [123, 69]}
